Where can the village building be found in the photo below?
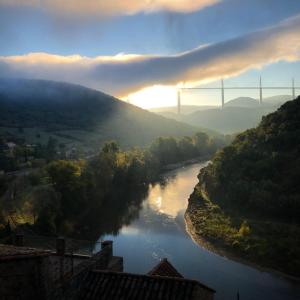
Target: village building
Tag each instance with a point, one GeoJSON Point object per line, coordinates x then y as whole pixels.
{"type": "Point", "coordinates": [31, 273]}
{"type": "Point", "coordinates": [11, 147]}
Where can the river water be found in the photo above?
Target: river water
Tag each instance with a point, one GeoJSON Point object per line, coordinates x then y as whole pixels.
{"type": "Point", "coordinates": [159, 231]}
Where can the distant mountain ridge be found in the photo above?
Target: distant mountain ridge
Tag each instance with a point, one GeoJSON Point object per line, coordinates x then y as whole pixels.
{"type": "Point", "coordinates": [266, 101]}
{"type": "Point", "coordinates": [237, 115]}
{"type": "Point", "coordinates": [242, 102]}
{"type": "Point", "coordinates": [76, 114]}
{"type": "Point", "coordinates": [185, 109]}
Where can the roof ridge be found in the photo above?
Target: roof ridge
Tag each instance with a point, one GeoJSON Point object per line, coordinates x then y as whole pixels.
{"type": "Point", "coordinates": [159, 268]}
{"type": "Point", "coordinates": [154, 277]}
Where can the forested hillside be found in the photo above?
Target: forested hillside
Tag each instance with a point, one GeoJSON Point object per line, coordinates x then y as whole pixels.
{"type": "Point", "coordinates": [248, 198]}
{"type": "Point", "coordinates": [260, 170]}
{"type": "Point", "coordinates": [36, 109]}
{"type": "Point", "coordinates": [92, 197]}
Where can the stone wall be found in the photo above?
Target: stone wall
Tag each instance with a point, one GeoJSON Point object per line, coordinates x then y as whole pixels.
{"type": "Point", "coordinates": [26, 273]}
{"type": "Point", "coordinates": [104, 260]}
{"type": "Point", "coordinates": [24, 278]}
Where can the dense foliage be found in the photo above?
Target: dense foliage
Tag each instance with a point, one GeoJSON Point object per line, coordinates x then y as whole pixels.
{"type": "Point", "coordinates": [265, 242]}
{"type": "Point", "coordinates": [65, 195]}
{"type": "Point", "coordinates": [247, 202]}
{"type": "Point", "coordinates": [26, 156]}
{"type": "Point", "coordinates": [259, 172]}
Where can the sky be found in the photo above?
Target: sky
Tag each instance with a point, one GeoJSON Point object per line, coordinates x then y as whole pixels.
{"type": "Point", "coordinates": [142, 50]}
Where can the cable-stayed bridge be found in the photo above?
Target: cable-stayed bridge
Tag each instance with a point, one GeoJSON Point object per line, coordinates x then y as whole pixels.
{"type": "Point", "coordinates": [222, 88]}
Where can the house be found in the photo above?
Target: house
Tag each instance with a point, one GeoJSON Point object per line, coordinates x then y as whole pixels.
{"type": "Point", "coordinates": [21, 271]}
{"type": "Point", "coordinates": [11, 146]}
{"type": "Point", "coordinates": [164, 282]}
{"type": "Point", "coordinates": [4, 147]}
{"type": "Point", "coordinates": [8, 148]}
{"type": "Point", "coordinates": [31, 273]}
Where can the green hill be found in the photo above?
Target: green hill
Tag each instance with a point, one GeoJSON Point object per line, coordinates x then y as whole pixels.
{"type": "Point", "coordinates": [238, 114]}
{"type": "Point", "coordinates": [242, 102]}
{"type": "Point", "coordinates": [184, 109]}
{"type": "Point", "coordinates": [36, 109]}
{"type": "Point", "coordinates": [250, 193]}
{"type": "Point", "coordinates": [228, 120]}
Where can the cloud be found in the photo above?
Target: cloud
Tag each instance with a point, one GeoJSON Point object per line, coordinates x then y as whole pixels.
{"type": "Point", "coordinates": [112, 7]}
{"type": "Point", "coordinates": [122, 74]}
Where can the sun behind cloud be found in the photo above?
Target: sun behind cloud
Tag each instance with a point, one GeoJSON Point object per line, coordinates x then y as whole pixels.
{"type": "Point", "coordinates": [124, 74]}
{"type": "Point", "coordinates": [154, 96]}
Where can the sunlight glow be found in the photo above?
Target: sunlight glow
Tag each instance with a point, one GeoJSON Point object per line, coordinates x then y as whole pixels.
{"type": "Point", "coordinates": [154, 96]}
{"type": "Point", "coordinates": [166, 200]}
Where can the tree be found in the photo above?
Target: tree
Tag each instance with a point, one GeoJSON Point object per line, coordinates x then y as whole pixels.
{"type": "Point", "coordinates": [200, 140]}
{"type": "Point", "coordinates": [51, 149]}
{"type": "Point", "coordinates": [110, 147]}
{"type": "Point", "coordinates": [45, 208]}
{"type": "Point", "coordinates": [187, 148]}
{"type": "Point", "coordinates": [166, 150]}
{"type": "Point", "coordinates": [66, 179]}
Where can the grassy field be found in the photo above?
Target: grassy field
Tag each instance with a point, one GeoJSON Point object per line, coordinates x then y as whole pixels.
{"type": "Point", "coordinates": [267, 243]}
{"type": "Point", "coordinates": [86, 140]}
{"type": "Point", "coordinates": [34, 135]}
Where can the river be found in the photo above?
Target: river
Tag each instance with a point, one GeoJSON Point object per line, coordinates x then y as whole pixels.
{"type": "Point", "coordinates": [159, 231]}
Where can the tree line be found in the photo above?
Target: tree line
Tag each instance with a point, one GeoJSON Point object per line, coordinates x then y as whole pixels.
{"type": "Point", "coordinates": [61, 196]}
{"type": "Point", "coordinates": [259, 172]}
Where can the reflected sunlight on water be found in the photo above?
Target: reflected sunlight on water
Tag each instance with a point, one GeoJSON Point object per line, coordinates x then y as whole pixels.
{"type": "Point", "coordinates": [171, 198]}
{"type": "Point", "coordinates": [159, 231]}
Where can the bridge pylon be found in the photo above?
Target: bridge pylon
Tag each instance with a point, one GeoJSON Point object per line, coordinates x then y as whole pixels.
{"type": "Point", "coordinates": [222, 94]}
{"type": "Point", "coordinates": [293, 88]}
{"type": "Point", "coordinates": [260, 92]}
{"type": "Point", "coordinates": [178, 101]}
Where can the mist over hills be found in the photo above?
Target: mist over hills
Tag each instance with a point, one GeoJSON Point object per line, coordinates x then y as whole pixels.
{"type": "Point", "coordinates": [36, 109]}
{"type": "Point", "coordinates": [251, 102]}
{"type": "Point", "coordinates": [185, 109]}
{"type": "Point", "coordinates": [242, 102]}
{"type": "Point", "coordinates": [238, 114]}
{"type": "Point", "coordinates": [230, 119]}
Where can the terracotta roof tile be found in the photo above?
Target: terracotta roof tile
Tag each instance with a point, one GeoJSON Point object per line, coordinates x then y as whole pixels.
{"type": "Point", "coordinates": [106, 285]}
{"type": "Point", "coordinates": [165, 268]}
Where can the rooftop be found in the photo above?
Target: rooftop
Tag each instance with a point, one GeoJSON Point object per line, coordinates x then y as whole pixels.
{"type": "Point", "coordinates": [164, 268]}
{"type": "Point", "coordinates": [107, 285]}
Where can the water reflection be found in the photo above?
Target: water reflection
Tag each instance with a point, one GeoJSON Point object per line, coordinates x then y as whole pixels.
{"type": "Point", "coordinates": [153, 227]}
{"type": "Point", "coordinates": [165, 198]}
{"type": "Point", "coordinates": [118, 210]}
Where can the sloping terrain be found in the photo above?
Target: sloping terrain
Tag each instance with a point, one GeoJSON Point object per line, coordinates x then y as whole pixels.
{"type": "Point", "coordinates": [238, 114]}
{"type": "Point", "coordinates": [37, 109]}
{"type": "Point", "coordinates": [228, 120]}
{"type": "Point", "coordinates": [247, 201]}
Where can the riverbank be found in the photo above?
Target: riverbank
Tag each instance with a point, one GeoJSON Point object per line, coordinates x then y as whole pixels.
{"type": "Point", "coordinates": [184, 163]}
{"type": "Point", "coordinates": [265, 245]}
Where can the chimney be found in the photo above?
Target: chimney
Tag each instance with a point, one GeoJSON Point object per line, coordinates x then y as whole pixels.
{"type": "Point", "coordinates": [107, 246]}
{"type": "Point", "coordinates": [60, 246]}
{"type": "Point", "coordinates": [178, 102]}
{"type": "Point", "coordinates": [19, 240]}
